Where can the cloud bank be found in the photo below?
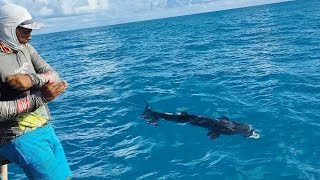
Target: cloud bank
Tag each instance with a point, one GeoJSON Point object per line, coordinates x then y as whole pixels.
{"type": "Point", "coordinates": [61, 15]}
{"type": "Point", "coordinates": [61, 8]}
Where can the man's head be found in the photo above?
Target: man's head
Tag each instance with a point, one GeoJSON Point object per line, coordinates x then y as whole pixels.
{"type": "Point", "coordinates": [16, 25]}
{"type": "Point", "coordinates": [24, 30]}
{"type": "Point", "coordinates": [23, 35]}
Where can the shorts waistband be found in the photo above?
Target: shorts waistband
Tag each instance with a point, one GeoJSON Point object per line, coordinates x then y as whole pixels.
{"type": "Point", "coordinates": [8, 135]}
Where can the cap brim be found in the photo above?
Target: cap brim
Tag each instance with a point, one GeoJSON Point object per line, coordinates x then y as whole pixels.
{"type": "Point", "coordinates": [33, 25]}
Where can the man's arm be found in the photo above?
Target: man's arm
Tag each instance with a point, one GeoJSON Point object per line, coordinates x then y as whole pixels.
{"type": "Point", "coordinates": [10, 109]}
{"type": "Point", "coordinates": [44, 72]}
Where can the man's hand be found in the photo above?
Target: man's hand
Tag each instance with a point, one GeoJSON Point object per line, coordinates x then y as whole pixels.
{"type": "Point", "coordinates": [52, 90]}
{"type": "Point", "coordinates": [19, 81]}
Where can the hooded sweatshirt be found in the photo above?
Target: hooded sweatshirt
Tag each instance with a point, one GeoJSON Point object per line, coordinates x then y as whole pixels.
{"type": "Point", "coordinates": [20, 111]}
{"type": "Point", "coordinates": [11, 16]}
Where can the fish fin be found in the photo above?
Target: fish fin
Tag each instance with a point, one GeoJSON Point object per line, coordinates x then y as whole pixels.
{"type": "Point", "coordinates": [183, 113]}
{"type": "Point", "coordinates": [224, 118]}
{"type": "Point", "coordinates": [147, 105]}
{"type": "Point", "coordinates": [147, 111]}
{"type": "Point", "coordinates": [153, 121]}
{"type": "Point", "coordinates": [213, 134]}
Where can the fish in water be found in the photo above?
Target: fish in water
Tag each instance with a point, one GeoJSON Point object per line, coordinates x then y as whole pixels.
{"type": "Point", "coordinates": [215, 126]}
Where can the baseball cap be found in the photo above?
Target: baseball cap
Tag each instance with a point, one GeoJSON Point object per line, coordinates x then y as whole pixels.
{"type": "Point", "coordinates": [30, 24]}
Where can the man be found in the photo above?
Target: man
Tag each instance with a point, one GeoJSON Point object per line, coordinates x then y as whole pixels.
{"type": "Point", "coordinates": [27, 84]}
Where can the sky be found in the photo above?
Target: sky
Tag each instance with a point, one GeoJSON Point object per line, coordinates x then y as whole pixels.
{"type": "Point", "coordinates": [63, 15]}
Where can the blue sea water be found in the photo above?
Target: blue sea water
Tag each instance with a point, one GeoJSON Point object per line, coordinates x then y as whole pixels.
{"type": "Point", "coordinates": [258, 65]}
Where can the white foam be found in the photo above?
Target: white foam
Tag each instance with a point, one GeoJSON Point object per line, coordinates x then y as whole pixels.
{"type": "Point", "coordinates": [255, 135]}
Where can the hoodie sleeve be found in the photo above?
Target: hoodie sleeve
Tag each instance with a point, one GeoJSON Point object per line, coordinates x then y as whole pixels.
{"type": "Point", "coordinates": [44, 72]}
{"type": "Point", "coordinates": [10, 109]}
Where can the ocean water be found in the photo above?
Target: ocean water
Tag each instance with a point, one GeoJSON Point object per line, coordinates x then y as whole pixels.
{"type": "Point", "coordinates": [257, 65]}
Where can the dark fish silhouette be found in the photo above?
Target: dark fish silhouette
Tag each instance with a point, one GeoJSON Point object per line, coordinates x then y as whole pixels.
{"type": "Point", "coordinates": [216, 126]}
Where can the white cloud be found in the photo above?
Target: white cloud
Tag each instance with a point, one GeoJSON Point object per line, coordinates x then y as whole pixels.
{"type": "Point", "coordinates": [59, 8]}
{"type": "Point", "coordinates": [74, 14]}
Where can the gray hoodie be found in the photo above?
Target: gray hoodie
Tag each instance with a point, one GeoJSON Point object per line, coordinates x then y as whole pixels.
{"type": "Point", "coordinates": [21, 111]}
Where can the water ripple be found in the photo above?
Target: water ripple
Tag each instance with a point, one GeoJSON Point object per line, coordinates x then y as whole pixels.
{"type": "Point", "coordinates": [257, 65]}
